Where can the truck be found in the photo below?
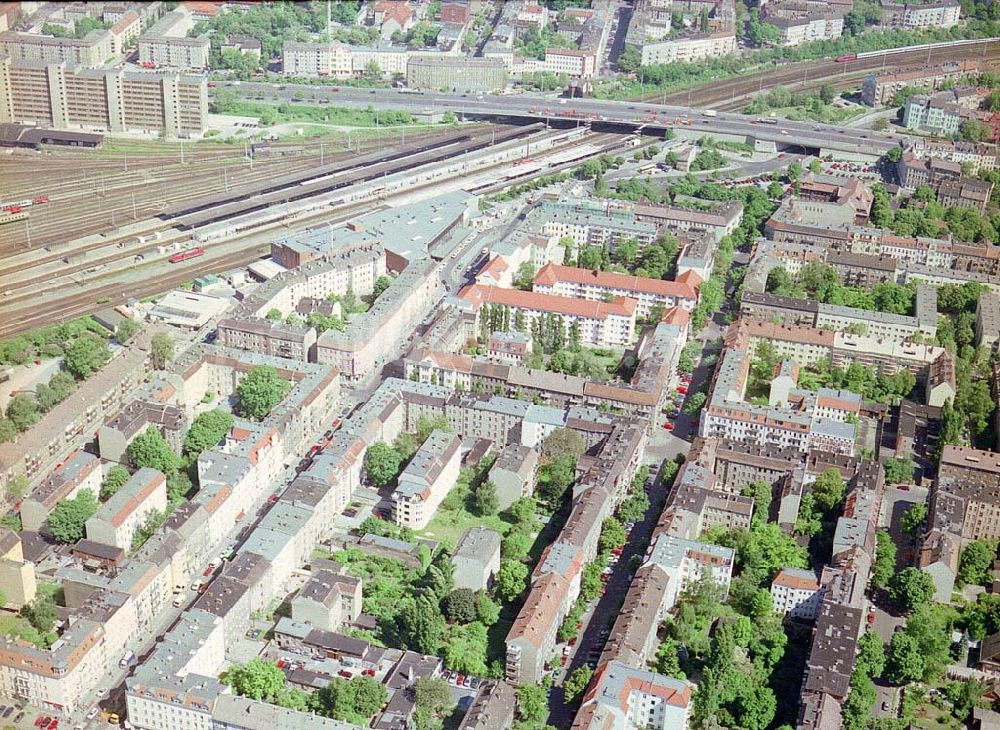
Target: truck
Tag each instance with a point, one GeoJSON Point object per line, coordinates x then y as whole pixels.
{"type": "Point", "coordinates": [127, 659]}
{"type": "Point", "coordinates": [710, 113]}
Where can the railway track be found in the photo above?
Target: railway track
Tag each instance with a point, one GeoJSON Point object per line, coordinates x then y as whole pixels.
{"type": "Point", "coordinates": [726, 94]}
{"type": "Point", "coordinates": [101, 197]}
{"type": "Point", "coordinates": [163, 276]}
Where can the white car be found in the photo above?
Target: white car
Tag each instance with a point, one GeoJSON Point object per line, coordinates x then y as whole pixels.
{"type": "Point", "coordinates": [92, 713]}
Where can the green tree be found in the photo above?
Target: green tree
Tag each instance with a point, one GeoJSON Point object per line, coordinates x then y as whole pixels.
{"type": "Point", "coordinates": [41, 613]}
{"type": "Point", "coordinates": [516, 545]}
{"type": "Point", "coordinates": [563, 441]}
{"type": "Point", "coordinates": [207, 430]}
{"type": "Point", "coordinates": [115, 479]}
{"type": "Point", "coordinates": [48, 395]}
{"type": "Point", "coordinates": [487, 610]}
{"type": "Point", "coordinates": [483, 499]}
{"type": "Point", "coordinates": [828, 489]}
{"type": "Point", "coordinates": [898, 471]}
{"type": "Point", "coordinates": [577, 682]}
{"type": "Point", "coordinates": [260, 391]}
{"type": "Point", "coordinates": [612, 534]}
{"type": "Point", "coordinates": [274, 314]}
{"type": "Point", "coordinates": [459, 606]}
{"type": "Point", "coordinates": [85, 355]}
{"type": "Point", "coordinates": [885, 559]}
{"type": "Point", "coordinates": [911, 588]}
{"type": "Point", "coordinates": [511, 580]}
{"type": "Point", "coordinates": [150, 449]}
{"type": "Point", "coordinates": [22, 411]}
{"type": "Point", "coordinates": [532, 705]}
{"type": "Point", "coordinates": [466, 649]}
{"type": "Point", "coordinates": [369, 695]}
{"type": "Point", "coordinates": [525, 276]}
{"type": "Point", "coordinates": [912, 521]}
{"type": "Point", "coordinates": [760, 492]}
{"type": "Point", "coordinates": [67, 520]}
{"type": "Point", "coordinates": [126, 330]}
{"type": "Point", "coordinates": [161, 350]}
{"type": "Point", "coordinates": [382, 463]}
{"type": "Point", "coordinates": [871, 654]}
{"type": "Point", "coordinates": [17, 487]}
{"type": "Point", "coordinates": [629, 60]}
{"type": "Point", "coordinates": [381, 284]}
{"type": "Point", "coordinates": [905, 662]}
{"type": "Point", "coordinates": [432, 694]}
{"type": "Point", "coordinates": [423, 625]}
{"type": "Point", "coordinates": [258, 679]}
{"type": "Point", "coordinates": [975, 563]}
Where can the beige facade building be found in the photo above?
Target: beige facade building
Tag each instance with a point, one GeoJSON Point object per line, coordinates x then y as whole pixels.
{"type": "Point", "coordinates": [17, 576]}
{"type": "Point", "coordinates": [61, 96]}
{"type": "Point", "coordinates": [91, 51]}
{"type": "Point", "coordinates": [689, 48]}
{"type": "Point", "coordinates": [426, 480]}
{"type": "Point", "coordinates": [118, 519]}
{"type": "Point", "coordinates": [456, 74]}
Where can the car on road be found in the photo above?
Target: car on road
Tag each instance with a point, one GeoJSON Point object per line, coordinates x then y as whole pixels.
{"type": "Point", "coordinates": [92, 712]}
{"type": "Point", "coordinates": [668, 426]}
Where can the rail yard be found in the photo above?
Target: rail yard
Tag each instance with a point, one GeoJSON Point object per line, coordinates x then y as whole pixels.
{"type": "Point", "coordinates": [216, 231]}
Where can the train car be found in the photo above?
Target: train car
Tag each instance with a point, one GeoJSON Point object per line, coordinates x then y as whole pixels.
{"type": "Point", "coordinates": [185, 255]}
{"type": "Point", "coordinates": [12, 217]}
{"type": "Point", "coordinates": [40, 199]}
{"type": "Point", "coordinates": [843, 59]}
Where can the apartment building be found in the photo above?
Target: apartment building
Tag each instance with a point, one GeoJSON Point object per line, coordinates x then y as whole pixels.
{"type": "Point", "coordinates": [17, 576]}
{"type": "Point", "coordinates": [328, 599]}
{"type": "Point", "coordinates": [568, 281]}
{"type": "Point", "coordinates": [124, 31]}
{"type": "Point", "coordinates": [966, 192]}
{"type": "Point", "coordinates": [690, 48]}
{"type": "Point", "coordinates": [91, 51]}
{"type": "Point", "coordinates": [988, 320]}
{"type": "Point", "coordinates": [480, 75]}
{"type": "Point", "coordinates": [633, 698]}
{"type": "Point", "coordinates": [166, 43]}
{"type": "Point", "coordinates": [793, 311]}
{"type": "Point", "coordinates": [600, 324]}
{"type": "Point", "coordinates": [273, 338]}
{"type": "Point", "coordinates": [913, 171]}
{"type": "Point", "coordinates": [426, 480]}
{"type": "Point", "coordinates": [879, 89]}
{"type": "Point", "coordinates": [61, 96]}
{"type": "Point", "coordinates": [796, 592]}
{"type": "Point", "coordinates": [942, 14]}
{"type": "Point", "coordinates": [476, 558]}
{"type": "Point", "coordinates": [804, 27]}
{"type": "Point", "coordinates": [118, 520]}
{"type": "Point", "coordinates": [687, 561]}
{"type": "Point", "coordinates": [316, 59]}
{"type": "Point", "coordinates": [58, 434]}
{"type": "Point", "coordinates": [979, 155]}
{"type": "Point", "coordinates": [941, 113]}
{"type": "Point", "coordinates": [531, 640]}
{"type": "Point", "coordinates": [80, 471]}
{"type": "Point", "coordinates": [571, 62]}
{"type": "Point", "coordinates": [513, 474]}
{"type": "Point", "coordinates": [117, 432]}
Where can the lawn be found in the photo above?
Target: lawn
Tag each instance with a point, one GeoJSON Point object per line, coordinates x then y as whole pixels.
{"type": "Point", "coordinates": [453, 518]}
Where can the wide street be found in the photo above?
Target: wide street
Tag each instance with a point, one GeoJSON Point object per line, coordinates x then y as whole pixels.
{"type": "Point", "coordinates": [534, 106]}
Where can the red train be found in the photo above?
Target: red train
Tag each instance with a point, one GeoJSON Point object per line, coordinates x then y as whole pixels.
{"type": "Point", "coordinates": [843, 59]}
{"type": "Point", "coordinates": [185, 255]}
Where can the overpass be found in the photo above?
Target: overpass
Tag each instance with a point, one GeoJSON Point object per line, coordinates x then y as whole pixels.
{"type": "Point", "coordinates": [601, 114]}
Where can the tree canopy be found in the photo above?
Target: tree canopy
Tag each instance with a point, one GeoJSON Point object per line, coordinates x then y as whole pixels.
{"type": "Point", "coordinates": [67, 520]}
{"type": "Point", "coordinates": [260, 391]}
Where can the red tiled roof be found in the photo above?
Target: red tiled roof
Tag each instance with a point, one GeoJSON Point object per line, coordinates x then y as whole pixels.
{"type": "Point", "coordinates": [676, 315]}
{"type": "Point", "coordinates": [552, 273]}
{"type": "Point", "coordinates": [788, 580]}
{"type": "Point", "coordinates": [479, 295]}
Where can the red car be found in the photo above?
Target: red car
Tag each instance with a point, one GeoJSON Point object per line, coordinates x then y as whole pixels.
{"type": "Point", "coordinates": [38, 720]}
{"type": "Point", "coordinates": [53, 724]}
{"type": "Point", "coordinates": [459, 679]}
{"type": "Point", "coordinates": [272, 499]}
{"type": "Point", "coordinates": [345, 674]}
{"type": "Point", "coordinates": [617, 551]}
{"type": "Point", "coordinates": [368, 672]}
{"type": "Point", "coordinates": [682, 390]}
{"type": "Point", "coordinates": [668, 426]}
{"type": "Point", "coordinates": [208, 571]}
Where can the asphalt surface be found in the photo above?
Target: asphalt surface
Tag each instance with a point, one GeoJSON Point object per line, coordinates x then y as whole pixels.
{"type": "Point", "coordinates": [536, 106]}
